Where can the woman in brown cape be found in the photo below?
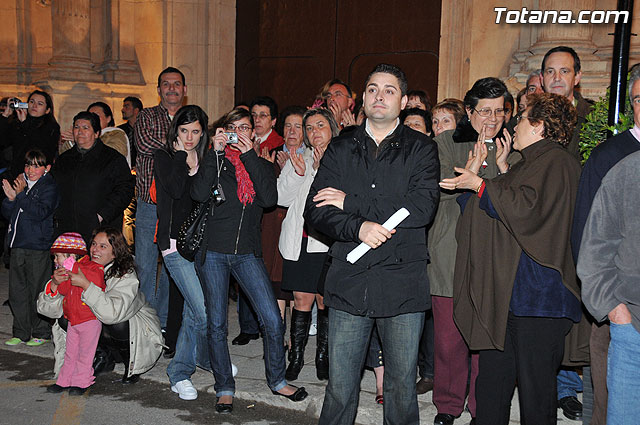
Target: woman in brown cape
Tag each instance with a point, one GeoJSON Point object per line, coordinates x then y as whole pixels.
{"type": "Point", "coordinates": [515, 289]}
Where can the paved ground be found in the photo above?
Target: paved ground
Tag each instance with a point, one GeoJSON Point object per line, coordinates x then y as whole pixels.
{"type": "Point", "coordinates": [24, 371]}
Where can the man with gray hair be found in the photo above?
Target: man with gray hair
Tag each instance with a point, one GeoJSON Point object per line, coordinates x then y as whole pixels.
{"type": "Point", "coordinates": [610, 273]}
{"type": "Point", "coordinates": [603, 157]}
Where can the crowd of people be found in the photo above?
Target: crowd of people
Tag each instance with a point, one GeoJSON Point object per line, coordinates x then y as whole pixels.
{"type": "Point", "coordinates": [459, 248]}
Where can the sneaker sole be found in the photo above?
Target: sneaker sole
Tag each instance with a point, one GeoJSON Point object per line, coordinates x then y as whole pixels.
{"type": "Point", "coordinates": [183, 397]}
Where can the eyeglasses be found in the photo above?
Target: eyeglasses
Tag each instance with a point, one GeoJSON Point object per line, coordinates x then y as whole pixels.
{"type": "Point", "coordinates": [519, 118]}
{"type": "Point", "coordinates": [486, 112]}
{"type": "Point", "coordinates": [261, 115]}
{"type": "Point", "coordinates": [233, 127]}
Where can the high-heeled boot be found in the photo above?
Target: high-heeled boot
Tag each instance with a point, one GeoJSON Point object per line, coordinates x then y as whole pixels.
{"type": "Point", "coordinates": [300, 323]}
{"type": "Point", "coordinates": [123, 349]}
{"type": "Point", "coordinates": [322, 348]}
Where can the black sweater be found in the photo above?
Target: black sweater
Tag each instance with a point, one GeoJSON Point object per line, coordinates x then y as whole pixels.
{"type": "Point", "coordinates": [173, 198]}
{"type": "Point", "coordinates": [235, 228]}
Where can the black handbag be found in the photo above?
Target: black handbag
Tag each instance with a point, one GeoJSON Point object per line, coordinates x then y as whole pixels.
{"type": "Point", "coordinates": [193, 229]}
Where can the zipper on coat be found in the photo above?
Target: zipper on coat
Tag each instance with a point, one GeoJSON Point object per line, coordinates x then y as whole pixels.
{"type": "Point", "coordinates": [235, 251]}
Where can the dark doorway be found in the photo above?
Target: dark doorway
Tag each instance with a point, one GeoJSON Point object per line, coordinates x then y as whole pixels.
{"type": "Point", "coordinates": [288, 49]}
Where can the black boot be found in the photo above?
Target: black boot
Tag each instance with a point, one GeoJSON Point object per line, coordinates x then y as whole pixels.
{"type": "Point", "coordinates": [322, 349]}
{"type": "Point", "coordinates": [103, 361]}
{"type": "Point", "coordinates": [300, 323]}
{"type": "Point", "coordinates": [123, 348]}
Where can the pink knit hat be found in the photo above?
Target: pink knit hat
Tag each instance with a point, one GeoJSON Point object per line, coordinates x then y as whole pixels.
{"type": "Point", "coordinates": [69, 243]}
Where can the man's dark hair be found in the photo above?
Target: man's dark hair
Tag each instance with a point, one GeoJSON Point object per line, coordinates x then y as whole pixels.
{"type": "Point", "coordinates": [563, 49]}
{"type": "Point", "coordinates": [342, 83]}
{"type": "Point", "coordinates": [268, 102]}
{"type": "Point", "coordinates": [422, 95]}
{"type": "Point", "coordinates": [393, 70]}
{"type": "Point", "coordinates": [484, 88]}
{"type": "Point", "coordinates": [288, 111]}
{"type": "Point", "coordinates": [171, 70]}
{"type": "Point", "coordinates": [106, 110]}
{"type": "Point", "coordinates": [91, 117]}
{"type": "Point", "coordinates": [508, 98]}
{"type": "Point", "coordinates": [135, 102]}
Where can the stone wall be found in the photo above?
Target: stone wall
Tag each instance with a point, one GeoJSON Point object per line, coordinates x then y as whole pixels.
{"type": "Point", "coordinates": [82, 51]}
{"type": "Point", "coordinates": [473, 46]}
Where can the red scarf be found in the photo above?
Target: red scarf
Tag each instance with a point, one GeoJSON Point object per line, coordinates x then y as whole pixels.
{"type": "Point", "coordinates": [246, 193]}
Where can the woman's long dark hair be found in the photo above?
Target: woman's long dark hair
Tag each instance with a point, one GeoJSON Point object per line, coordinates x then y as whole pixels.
{"type": "Point", "coordinates": [47, 117]}
{"type": "Point", "coordinates": [186, 115]}
{"type": "Point", "coordinates": [123, 262]}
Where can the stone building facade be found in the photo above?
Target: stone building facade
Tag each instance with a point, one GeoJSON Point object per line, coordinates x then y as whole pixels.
{"type": "Point", "coordinates": [86, 50]}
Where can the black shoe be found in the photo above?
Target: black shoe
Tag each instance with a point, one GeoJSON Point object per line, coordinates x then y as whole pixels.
{"type": "Point", "coordinates": [244, 339]}
{"type": "Point", "coordinates": [76, 390]}
{"type": "Point", "coordinates": [102, 362]}
{"type": "Point", "coordinates": [168, 353]}
{"type": "Point", "coordinates": [224, 408]}
{"type": "Point", "coordinates": [424, 385]}
{"type": "Point", "coordinates": [444, 419]}
{"type": "Point", "coordinates": [55, 389]}
{"type": "Point", "coordinates": [299, 395]}
{"type": "Point", "coordinates": [571, 407]}
{"type": "Point", "coordinates": [130, 379]}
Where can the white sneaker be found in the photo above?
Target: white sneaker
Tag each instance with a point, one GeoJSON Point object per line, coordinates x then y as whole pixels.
{"type": "Point", "coordinates": [185, 390]}
{"type": "Point", "coordinates": [313, 330]}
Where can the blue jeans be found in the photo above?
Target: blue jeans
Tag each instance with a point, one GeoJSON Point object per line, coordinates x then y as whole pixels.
{"type": "Point", "coordinates": [623, 375]}
{"type": "Point", "coordinates": [252, 277]}
{"type": "Point", "coordinates": [348, 342]}
{"type": "Point", "coordinates": [246, 316]}
{"type": "Point", "coordinates": [147, 261]}
{"type": "Point", "coordinates": [569, 383]}
{"type": "Point", "coordinates": [192, 345]}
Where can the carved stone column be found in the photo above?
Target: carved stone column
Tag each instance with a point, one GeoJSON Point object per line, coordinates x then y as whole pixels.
{"type": "Point", "coordinates": [71, 24]}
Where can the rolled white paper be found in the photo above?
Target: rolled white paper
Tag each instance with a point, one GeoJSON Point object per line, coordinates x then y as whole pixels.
{"type": "Point", "coordinates": [393, 222]}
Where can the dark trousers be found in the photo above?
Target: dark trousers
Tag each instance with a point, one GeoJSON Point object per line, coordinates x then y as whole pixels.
{"type": "Point", "coordinates": [174, 315]}
{"type": "Point", "coordinates": [425, 351]}
{"type": "Point", "coordinates": [599, 347]}
{"type": "Point", "coordinates": [533, 351]}
{"type": "Point", "coordinates": [29, 272]}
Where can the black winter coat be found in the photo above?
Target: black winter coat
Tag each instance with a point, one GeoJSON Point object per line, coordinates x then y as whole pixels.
{"type": "Point", "coordinates": [173, 198]}
{"type": "Point", "coordinates": [33, 133]}
{"type": "Point", "coordinates": [97, 181]}
{"type": "Point", "coordinates": [235, 228]}
{"type": "Point", "coordinates": [391, 279]}
{"type": "Point", "coordinates": [30, 215]}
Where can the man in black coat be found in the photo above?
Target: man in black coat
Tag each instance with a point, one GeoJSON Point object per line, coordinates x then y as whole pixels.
{"type": "Point", "coordinates": [366, 176]}
{"type": "Point", "coordinates": [95, 182]}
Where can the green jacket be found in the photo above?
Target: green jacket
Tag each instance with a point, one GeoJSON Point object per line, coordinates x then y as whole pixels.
{"type": "Point", "coordinates": [442, 240]}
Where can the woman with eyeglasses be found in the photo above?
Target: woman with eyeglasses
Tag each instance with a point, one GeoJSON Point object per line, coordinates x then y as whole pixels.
{"type": "Point", "coordinates": [244, 184]}
{"type": "Point", "coordinates": [480, 131]}
{"type": "Point", "coordinates": [515, 287]}
{"type": "Point", "coordinates": [303, 248]}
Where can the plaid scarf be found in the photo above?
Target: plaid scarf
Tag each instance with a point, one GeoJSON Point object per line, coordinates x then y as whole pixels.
{"type": "Point", "coordinates": [246, 193]}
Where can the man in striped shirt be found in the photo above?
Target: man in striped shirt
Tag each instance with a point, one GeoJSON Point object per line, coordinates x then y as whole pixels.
{"type": "Point", "coordinates": [150, 132]}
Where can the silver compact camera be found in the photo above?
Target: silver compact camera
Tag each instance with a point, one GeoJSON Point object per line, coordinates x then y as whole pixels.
{"type": "Point", "coordinates": [16, 104]}
{"type": "Point", "coordinates": [232, 138]}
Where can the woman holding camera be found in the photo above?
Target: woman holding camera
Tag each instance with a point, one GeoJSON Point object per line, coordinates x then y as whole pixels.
{"type": "Point", "coordinates": [242, 184]}
{"type": "Point", "coordinates": [34, 128]}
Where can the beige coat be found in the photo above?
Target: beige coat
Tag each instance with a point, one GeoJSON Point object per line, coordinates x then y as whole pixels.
{"type": "Point", "coordinates": [120, 301]}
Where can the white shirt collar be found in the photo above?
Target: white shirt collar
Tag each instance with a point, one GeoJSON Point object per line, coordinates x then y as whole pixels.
{"type": "Point", "coordinates": [370, 133]}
